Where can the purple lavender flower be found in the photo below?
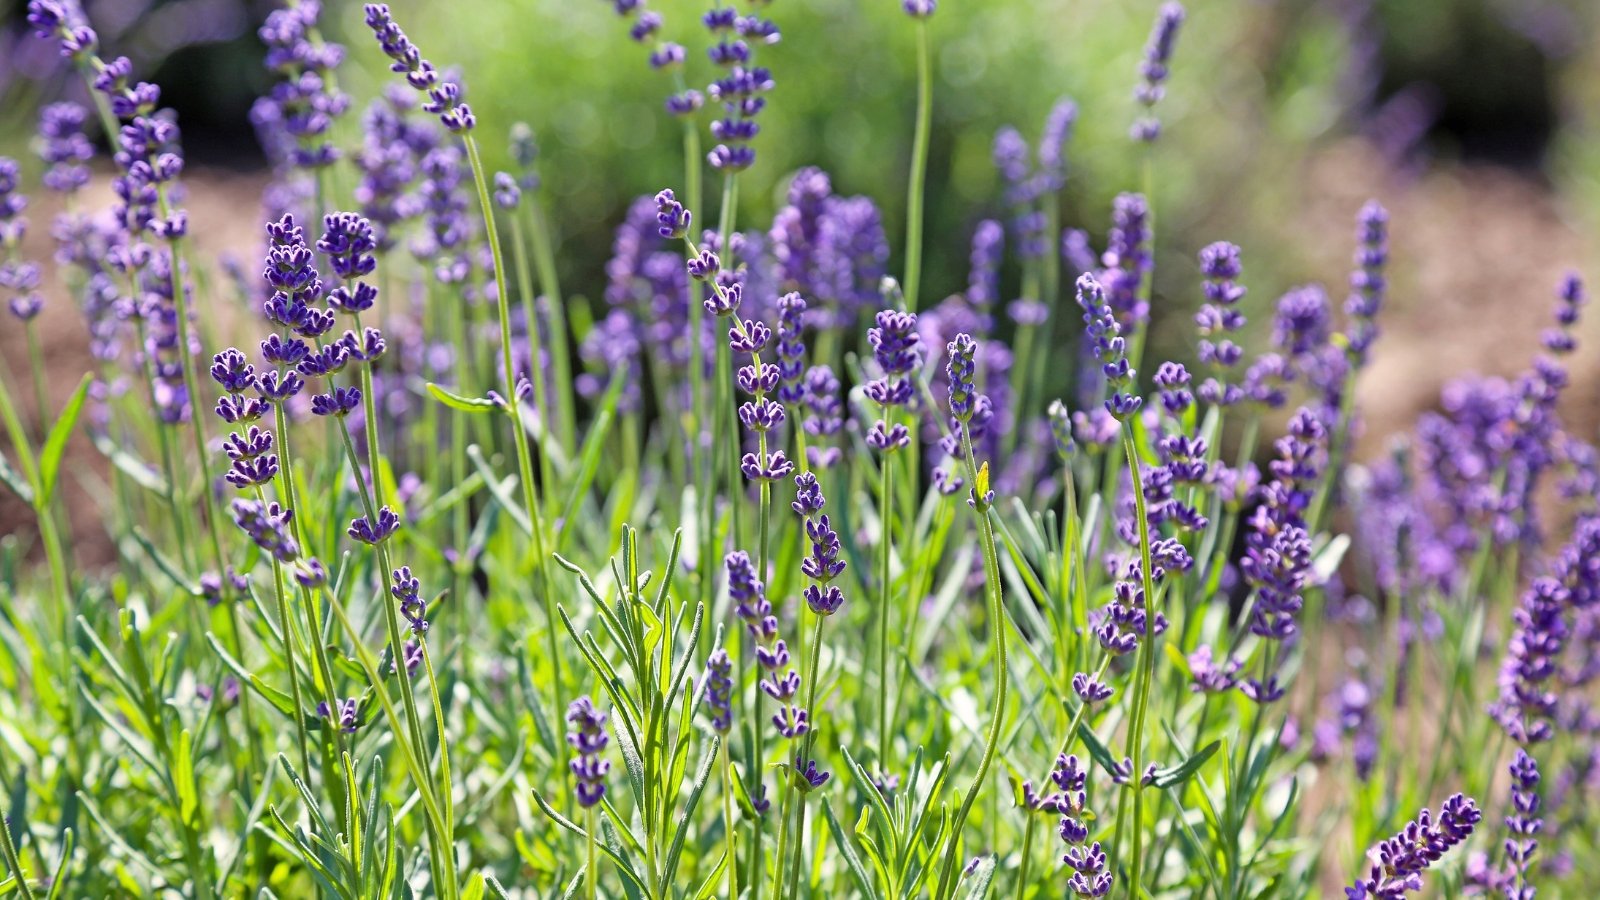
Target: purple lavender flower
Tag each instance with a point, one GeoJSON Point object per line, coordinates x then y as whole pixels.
{"type": "Point", "coordinates": [825, 415]}
{"type": "Point", "coordinates": [749, 596]}
{"type": "Point", "coordinates": [1277, 561]}
{"type": "Point", "coordinates": [63, 146]}
{"type": "Point", "coordinates": [305, 103]}
{"type": "Point", "coordinates": [444, 96]}
{"type": "Point", "coordinates": [1571, 299]}
{"type": "Point", "coordinates": [1527, 706]}
{"type": "Point", "coordinates": [741, 89]}
{"type": "Point", "coordinates": [1127, 261]}
{"type": "Point", "coordinates": [719, 690]}
{"type": "Point", "coordinates": [367, 532]}
{"type": "Point", "coordinates": [919, 9]}
{"type": "Point", "coordinates": [588, 738]}
{"type": "Point", "coordinates": [267, 524]}
{"type": "Point", "coordinates": [404, 588]}
{"type": "Point", "coordinates": [1218, 318]}
{"type": "Point", "coordinates": [1524, 824]}
{"type": "Point", "coordinates": [1367, 284]}
{"type": "Point", "coordinates": [349, 714]}
{"type": "Point", "coordinates": [1153, 70]}
{"type": "Point", "coordinates": [895, 347]}
{"type": "Point", "coordinates": [1104, 336]}
{"type": "Point", "coordinates": [1397, 863]}
{"type": "Point", "coordinates": [823, 564]}
{"type": "Point", "coordinates": [1053, 142]}
{"type": "Point", "coordinates": [983, 280]}
{"type": "Point", "coordinates": [1091, 876]}
{"type": "Point", "coordinates": [348, 241]}
{"type": "Point", "coordinates": [791, 348]}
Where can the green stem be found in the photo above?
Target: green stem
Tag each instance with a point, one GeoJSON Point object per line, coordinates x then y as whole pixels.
{"type": "Point", "coordinates": [544, 263]}
{"type": "Point", "coordinates": [13, 861]}
{"type": "Point", "coordinates": [729, 823]}
{"type": "Point", "coordinates": [991, 567]}
{"type": "Point", "coordinates": [519, 432]}
{"type": "Point", "coordinates": [1146, 662]}
{"type": "Point", "coordinates": [886, 530]}
{"type": "Point", "coordinates": [919, 167]}
{"type": "Point", "coordinates": [535, 345]}
{"type": "Point", "coordinates": [1027, 851]}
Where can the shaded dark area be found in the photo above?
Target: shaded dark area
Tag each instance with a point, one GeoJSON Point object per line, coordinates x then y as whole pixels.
{"type": "Point", "coordinates": [1487, 67]}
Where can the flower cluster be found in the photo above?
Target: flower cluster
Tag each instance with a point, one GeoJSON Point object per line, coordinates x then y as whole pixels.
{"type": "Point", "coordinates": [1527, 706]}
{"type": "Point", "coordinates": [64, 147]}
{"type": "Point", "coordinates": [1523, 823]}
{"type": "Point", "coordinates": [895, 346]}
{"type": "Point", "coordinates": [825, 416]}
{"type": "Point", "coordinates": [1219, 318]}
{"type": "Point", "coordinates": [588, 739]}
{"type": "Point", "coordinates": [741, 90]}
{"type": "Point", "coordinates": [1103, 333]}
{"type": "Point", "coordinates": [301, 109]}
{"type": "Point", "coordinates": [719, 690]}
{"type": "Point", "coordinates": [829, 248]}
{"type": "Point", "coordinates": [1367, 282]}
{"type": "Point", "coordinates": [1277, 562]}
{"type": "Point", "coordinates": [444, 95]}
{"type": "Point", "coordinates": [1398, 862]}
{"type": "Point", "coordinates": [749, 596]}
{"type": "Point", "coordinates": [760, 414]}
{"type": "Point", "coordinates": [823, 565]}
{"type": "Point", "coordinates": [1153, 70]}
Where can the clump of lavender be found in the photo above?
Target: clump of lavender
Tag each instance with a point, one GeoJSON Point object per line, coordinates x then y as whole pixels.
{"type": "Point", "coordinates": [1398, 862]}
{"type": "Point", "coordinates": [305, 104]}
{"type": "Point", "coordinates": [1528, 706]}
{"type": "Point", "coordinates": [1153, 70]}
{"type": "Point", "coordinates": [588, 740]}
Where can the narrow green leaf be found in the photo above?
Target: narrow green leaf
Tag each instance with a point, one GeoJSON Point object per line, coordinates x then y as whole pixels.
{"type": "Point", "coordinates": [55, 443]}
{"type": "Point", "coordinates": [165, 563]}
{"type": "Point", "coordinates": [1180, 773]}
{"type": "Point", "coordinates": [14, 480]}
{"type": "Point", "coordinates": [852, 859]}
{"type": "Point", "coordinates": [139, 471]}
{"type": "Point", "coordinates": [671, 869]}
{"type": "Point", "coordinates": [475, 405]}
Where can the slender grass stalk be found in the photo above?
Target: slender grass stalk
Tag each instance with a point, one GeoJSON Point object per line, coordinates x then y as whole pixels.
{"type": "Point", "coordinates": [919, 166]}
{"type": "Point", "coordinates": [1002, 672]}
{"type": "Point", "coordinates": [519, 432]}
{"type": "Point", "coordinates": [1146, 664]}
{"type": "Point", "coordinates": [885, 597]}
{"type": "Point", "coordinates": [535, 343]}
{"type": "Point", "coordinates": [730, 824]}
{"type": "Point", "coordinates": [19, 878]}
{"type": "Point", "coordinates": [544, 264]}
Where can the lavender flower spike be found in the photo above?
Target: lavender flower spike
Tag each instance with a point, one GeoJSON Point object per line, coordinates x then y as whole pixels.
{"type": "Point", "coordinates": [1104, 335]}
{"type": "Point", "coordinates": [588, 737]}
{"type": "Point", "coordinates": [1398, 862]}
{"type": "Point", "coordinates": [1153, 70]}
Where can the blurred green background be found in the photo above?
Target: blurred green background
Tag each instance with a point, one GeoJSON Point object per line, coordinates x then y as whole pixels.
{"type": "Point", "coordinates": [1257, 89]}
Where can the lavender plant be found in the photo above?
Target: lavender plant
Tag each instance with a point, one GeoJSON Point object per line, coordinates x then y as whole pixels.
{"type": "Point", "coordinates": [406, 670]}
